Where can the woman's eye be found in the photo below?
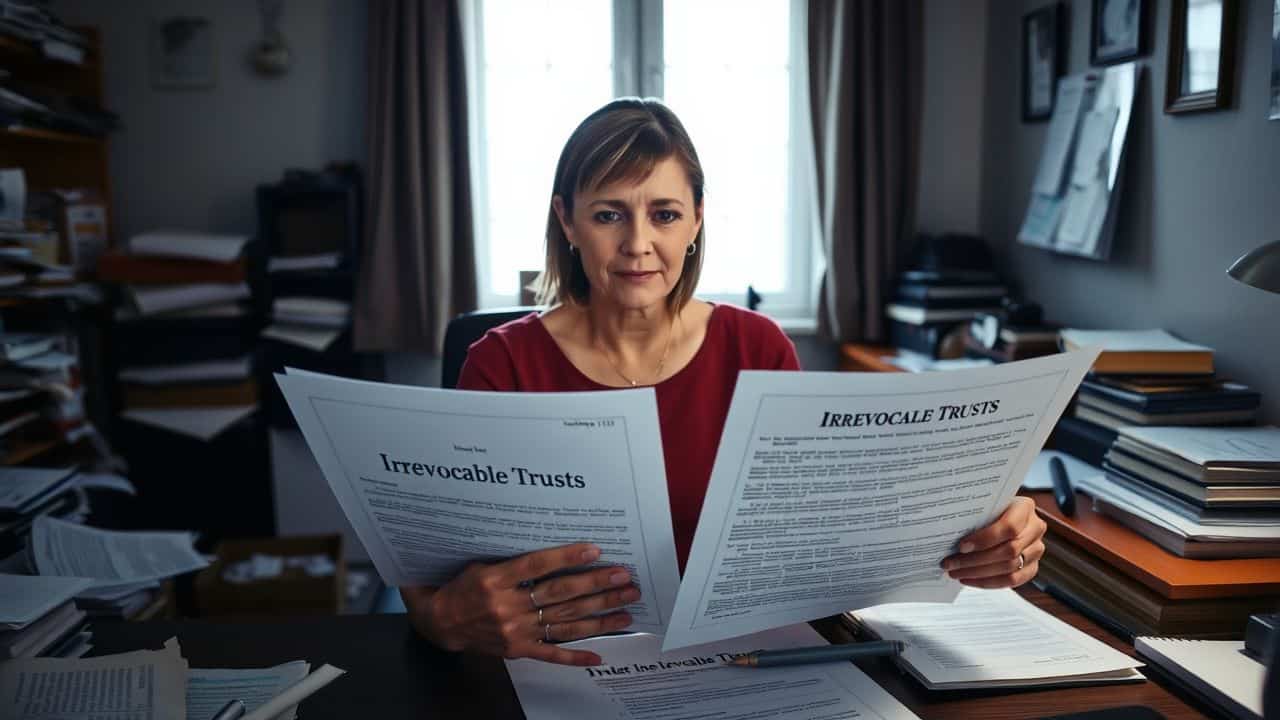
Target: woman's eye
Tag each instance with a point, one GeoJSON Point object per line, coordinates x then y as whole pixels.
{"type": "Point", "coordinates": [666, 217]}
{"type": "Point", "coordinates": [607, 216]}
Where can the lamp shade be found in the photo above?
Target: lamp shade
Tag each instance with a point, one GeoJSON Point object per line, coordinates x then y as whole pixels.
{"type": "Point", "coordinates": [1259, 267]}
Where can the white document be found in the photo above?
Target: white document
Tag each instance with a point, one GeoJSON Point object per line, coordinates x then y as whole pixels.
{"type": "Point", "coordinates": [21, 485]}
{"type": "Point", "coordinates": [1256, 447]}
{"type": "Point", "coordinates": [289, 263]}
{"type": "Point", "coordinates": [640, 683]}
{"type": "Point", "coordinates": [994, 638]}
{"type": "Point", "coordinates": [164, 298]}
{"type": "Point", "coordinates": [312, 338]}
{"type": "Point", "coordinates": [104, 481]}
{"type": "Point", "coordinates": [1085, 208]}
{"type": "Point", "coordinates": [1129, 340]}
{"type": "Point", "coordinates": [1093, 150]}
{"type": "Point", "coordinates": [295, 693]}
{"type": "Point", "coordinates": [202, 423]}
{"type": "Point", "coordinates": [1039, 477]}
{"type": "Point", "coordinates": [110, 557]}
{"type": "Point", "coordinates": [27, 598]}
{"type": "Point", "coordinates": [213, 370]}
{"type": "Point", "coordinates": [433, 480]}
{"type": "Point", "coordinates": [303, 305]}
{"type": "Point", "coordinates": [1218, 669]}
{"type": "Point", "coordinates": [149, 684]}
{"type": "Point", "coordinates": [1062, 132]}
{"type": "Point", "coordinates": [186, 244]}
{"type": "Point", "coordinates": [209, 689]}
{"type": "Point", "coordinates": [833, 491]}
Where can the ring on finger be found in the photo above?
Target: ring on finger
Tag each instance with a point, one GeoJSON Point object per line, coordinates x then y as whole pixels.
{"type": "Point", "coordinates": [1022, 562]}
{"type": "Point", "coordinates": [546, 633]}
{"type": "Point", "coordinates": [534, 601]}
{"type": "Point", "coordinates": [540, 622]}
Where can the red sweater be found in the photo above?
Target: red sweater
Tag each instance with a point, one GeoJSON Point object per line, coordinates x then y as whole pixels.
{"type": "Point", "coordinates": [521, 356]}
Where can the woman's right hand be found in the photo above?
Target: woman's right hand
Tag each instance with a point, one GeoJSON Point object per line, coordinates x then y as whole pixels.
{"type": "Point", "coordinates": [493, 609]}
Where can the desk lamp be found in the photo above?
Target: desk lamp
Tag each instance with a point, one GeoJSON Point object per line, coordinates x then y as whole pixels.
{"type": "Point", "coordinates": [1260, 268]}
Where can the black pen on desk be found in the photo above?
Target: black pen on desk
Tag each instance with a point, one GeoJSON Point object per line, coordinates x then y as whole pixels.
{"type": "Point", "coordinates": [818, 654]}
{"type": "Point", "coordinates": [231, 711]}
{"type": "Point", "coordinates": [1063, 492]}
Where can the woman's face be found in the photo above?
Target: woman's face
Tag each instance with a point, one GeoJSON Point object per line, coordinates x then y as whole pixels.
{"type": "Point", "coordinates": [632, 237]}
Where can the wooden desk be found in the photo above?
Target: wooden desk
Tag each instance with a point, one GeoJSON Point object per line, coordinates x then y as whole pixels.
{"type": "Point", "coordinates": [391, 674]}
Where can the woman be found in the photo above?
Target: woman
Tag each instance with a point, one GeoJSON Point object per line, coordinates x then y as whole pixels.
{"type": "Point", "coordinates": [625, 243]}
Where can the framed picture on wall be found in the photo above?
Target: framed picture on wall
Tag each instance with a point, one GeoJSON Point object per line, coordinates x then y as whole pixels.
{"type": "Point", "coordinates": [1202, 55]}
{"type": "Point", "coordinates": [1117, 31]}
{"type": "Point", "coordinates": [1274, 114]}
{"type": "Point", "coordinates": [1041, 61]}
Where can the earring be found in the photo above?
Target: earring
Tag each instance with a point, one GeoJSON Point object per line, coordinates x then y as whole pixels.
{"type": "Point", "coordinates": [573, 249]}
{"type": "Point", "coordinates": [693, 248]}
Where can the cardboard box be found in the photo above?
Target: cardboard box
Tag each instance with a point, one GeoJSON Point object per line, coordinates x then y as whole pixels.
{"type": "Point", "coordinates": [292, 592]}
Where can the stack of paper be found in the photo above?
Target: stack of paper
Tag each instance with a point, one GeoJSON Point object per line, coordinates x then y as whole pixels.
{"type": "Point", "coordinates": [310, 322]}
{"type": "Point", "coordinates": [39, 617]}
{"type": "Point", "coordinates": [993, 638]}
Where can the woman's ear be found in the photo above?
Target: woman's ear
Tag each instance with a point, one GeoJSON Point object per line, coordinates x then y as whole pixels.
{"type": "Point", "coordinates": [557, 204]}
{"type": "Point", "coordinates": [697, 218]}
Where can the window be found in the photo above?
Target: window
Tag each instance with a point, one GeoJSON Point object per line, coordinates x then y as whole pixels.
{"type": "Point", "coordinates": [734, 73]}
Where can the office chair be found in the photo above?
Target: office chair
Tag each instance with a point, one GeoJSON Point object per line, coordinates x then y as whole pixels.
{"type": "Point", "coordinates": [466, 329]}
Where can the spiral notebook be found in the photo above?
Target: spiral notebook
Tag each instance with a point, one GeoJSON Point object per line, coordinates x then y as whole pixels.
{"type": "Point", "coordinates": [1216, 670]}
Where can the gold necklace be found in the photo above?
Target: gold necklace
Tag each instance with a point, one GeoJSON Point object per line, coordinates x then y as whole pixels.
{"type": "Point", "coordinates": [671, 333]}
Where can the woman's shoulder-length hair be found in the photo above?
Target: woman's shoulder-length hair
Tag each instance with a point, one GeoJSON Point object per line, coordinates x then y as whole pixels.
{"type": "Point", "coordinates": [621, 141]}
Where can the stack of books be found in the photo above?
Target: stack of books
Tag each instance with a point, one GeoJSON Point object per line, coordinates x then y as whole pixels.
{"type": "Point", "coordinates": [928, 304]}
{"type": "Point", "coordinates": [39, 618]}
{"type": "Point", "coordinates": [1135, 587]}
{"type": "Point", "coordinates": [1197, 492]}
{"type": "Point", "coordinates": [185, 345]}
{"type": "Point", "coordinates": [27, 493]}
{"type": "Point", "coordinates": [41, 397]}
{"type": "Point", "coordinates": [313, 323]}
{"type": "Point", "coordinates": [1150, 378]}
{"type": "Point", "coordinates": [31, 22]}
{"type": "Point", "coordinates": [29, 268]}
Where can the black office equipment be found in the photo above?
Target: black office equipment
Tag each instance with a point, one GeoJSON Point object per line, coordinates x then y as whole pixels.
{"type": "Point", "coordinates": [465, 330]}
{"type": "Point", "coordinates": [1063, 492]}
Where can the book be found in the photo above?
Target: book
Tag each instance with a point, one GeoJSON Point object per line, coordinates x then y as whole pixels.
{"type": "Point", "coordinates": [1183, 546]}
{"type": "Point", "coordinates": [923, 339]}
{"type": "Point", "coordinates": [1200, 493]}
{"type": "Point", "coordinates": [919, 315]}
{"type": "Point", "coordinates": [1172, 397]}
{"type": "Point", "coordinates": [1131, 416]}
{"type": "Point", "coordinates": [1195, 471]}
{"type": "Point", "coordinates": [1255, 513]}
{"type": "Point", "coordinates": [1216, 671]}
{"type": "Point", "coordinates": [1203, 617]}
{"type": "Point", "coordinates": [1116, 423]}
{"type": "Point", "coordinates": [1140, 559]}
{"type": "Point", "coordinates": [1149, 352]}
{"type": "Point", "coordinates": [130, 269]}
{"type": "Point", "coordinates": [1215, 448]}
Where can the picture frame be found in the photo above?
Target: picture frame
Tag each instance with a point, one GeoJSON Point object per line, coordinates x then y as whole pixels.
{"type": "Point", "coordinates": [1117, 31]}
{"type": "Point", "coordinates": [1202, 56]}
{"type": "Point", "coordinates": [1042, 52]}
{"type": "Point", "coordinates": [182, 53]}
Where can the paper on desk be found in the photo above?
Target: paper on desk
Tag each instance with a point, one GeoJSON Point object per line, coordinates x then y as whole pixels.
{"type": "Point", "coordinates": [201, 423]}
{"type": "Point", "coordinates": [153, 299]}
{"type": "Point", "coordinates": [209, 689]}
{"type": "Point", "coordinates": [433, 480]}
{"type": "Point", "coordinates": [104, 481]}
{"type": "Point", "coordinates": [638, 682]}
{"type": "Point", "coordinates": [833, 491]}
{"type": "Point", "coordinates": [20, 485]}
{"type": "Point", "coordinates": [994, 638]}
{"type": "Point", "coordinates": [1062, 131]}
{"type": "Point", "coordinates": [191, 245]}
{"type": "Point", "coordinates": [312, 338]}
{"type": "Point", "coordinates": [110, 557]}
{"type": "Point", "coordinates": [27, 598]}
{"type": "Point", "coordinates": [1040, 478]}
{"type": "Point", "coordinates": [1099, 486]}
{"type": "Point", "coordinates": [210, 371]}
{"type": "Point", "coordinates": [149, 684]}
{"type": "Point", "coordinates": [296, 693]}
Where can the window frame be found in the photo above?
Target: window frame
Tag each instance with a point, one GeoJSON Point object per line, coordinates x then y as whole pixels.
{"type": "Point", "coordinates": [639, 69]}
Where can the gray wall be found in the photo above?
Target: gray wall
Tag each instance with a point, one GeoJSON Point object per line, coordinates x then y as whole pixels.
{"type": "Point", "coordinates": [1200, 191]}
{"type": "Point", "coordinates": [191, 158]}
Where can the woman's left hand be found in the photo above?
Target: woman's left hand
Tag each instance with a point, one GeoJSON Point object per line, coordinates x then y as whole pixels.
{"type": "Point", "coordinates": [1005, 553]}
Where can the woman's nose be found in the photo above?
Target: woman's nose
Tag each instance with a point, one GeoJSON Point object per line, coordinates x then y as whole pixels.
{"type": "Point", "coordinates": [638, 239]}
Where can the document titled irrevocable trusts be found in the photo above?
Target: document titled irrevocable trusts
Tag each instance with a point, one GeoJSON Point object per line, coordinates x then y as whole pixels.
{"type": "Point", "coordinates": [432, 480]}
{"type": "Point", "coordinates": [834, 491]}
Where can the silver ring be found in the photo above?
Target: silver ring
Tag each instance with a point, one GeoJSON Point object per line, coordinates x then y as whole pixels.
{"type": "Point", "coordinates": [1022, 562]}
{"type": "Point", "coordinates": [546, 633]}
{"type": "Point", "coordinates": [533, 600]}
{"type": "Point", "coordinates": [540, 617]}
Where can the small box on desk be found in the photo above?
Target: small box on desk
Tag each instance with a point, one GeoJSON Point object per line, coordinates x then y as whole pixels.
{"type": "Point", "coordinates": [294, 591]}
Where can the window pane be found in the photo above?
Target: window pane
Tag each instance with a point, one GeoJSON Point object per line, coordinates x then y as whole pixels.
{"type": "Point", "coordinates": [547, 64]}
{"type": "Point", "coordinates": [727, 77]}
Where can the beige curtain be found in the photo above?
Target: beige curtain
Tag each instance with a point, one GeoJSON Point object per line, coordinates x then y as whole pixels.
{"type": "Point", "coordinates": [865, 68]}
{"type": "Point", "coordinates": [418, 265]}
